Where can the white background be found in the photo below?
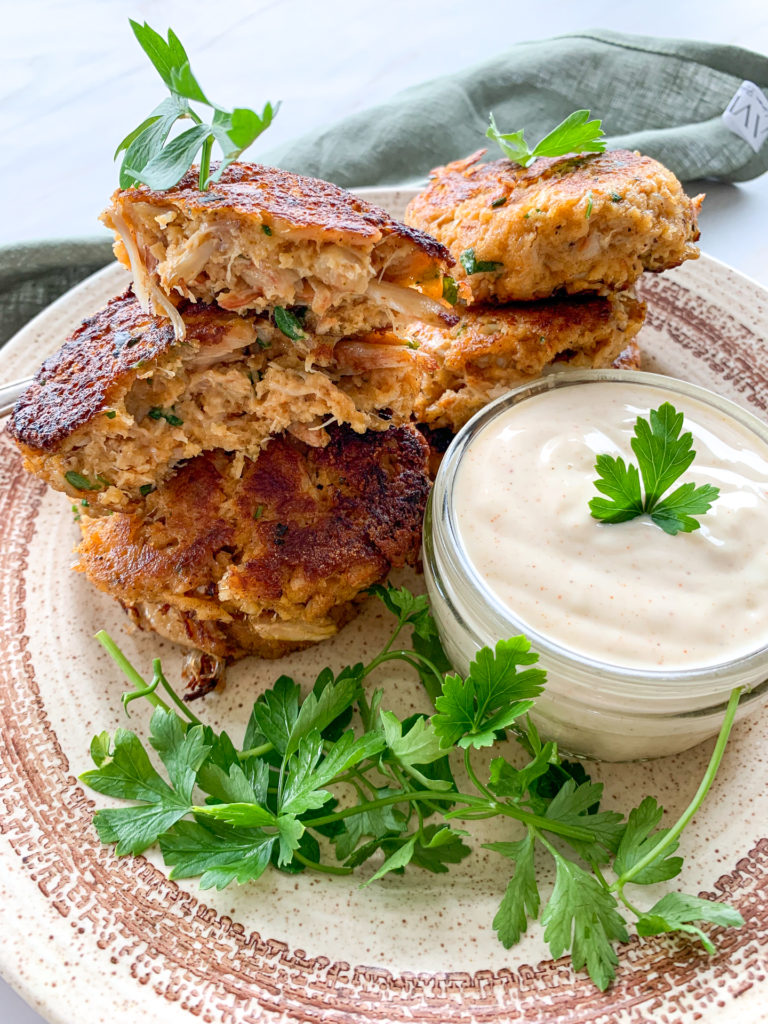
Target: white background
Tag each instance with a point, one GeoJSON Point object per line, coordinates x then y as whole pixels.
{"type": "Point", "coordinates": [73, 81]}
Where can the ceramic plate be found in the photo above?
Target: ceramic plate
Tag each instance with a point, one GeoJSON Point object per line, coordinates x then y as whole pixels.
{"type": "Point", "coordinates": [89, 937]}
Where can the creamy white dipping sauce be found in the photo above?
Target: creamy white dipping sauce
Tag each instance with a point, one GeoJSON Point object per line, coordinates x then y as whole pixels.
{"type": "Point", "coordinates": [626, 594]}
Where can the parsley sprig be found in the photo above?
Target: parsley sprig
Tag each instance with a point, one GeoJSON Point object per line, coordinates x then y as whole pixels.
{"type": "Point", "coordinates": [332, 780]}
{"type": "Point", "coordinates": [663, 455]}
{"type": "Point", "coordinates": [149, 157]}
{"type": "Point", "coordinates": [576, 134]}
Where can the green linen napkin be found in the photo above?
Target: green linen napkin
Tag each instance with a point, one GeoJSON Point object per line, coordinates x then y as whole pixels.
{"type": "Point", "coordinates": [33, 274]}
{"type": "Point", "coordinates": [665, 97]}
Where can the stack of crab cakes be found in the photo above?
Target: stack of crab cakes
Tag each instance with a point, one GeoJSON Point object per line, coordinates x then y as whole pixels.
{"type": "Point", "coordinates": [236, 429]}
{"type": "Point", "coordinates": [546, 260]}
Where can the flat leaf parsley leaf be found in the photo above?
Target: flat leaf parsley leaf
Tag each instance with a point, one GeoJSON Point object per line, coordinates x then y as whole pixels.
{"type": "Point", "coordinates": [129, 774]}
{"type": "Point", "coordinates": [639, 838]}
{"type": "Point", "coordinates": [582, 916]}
{"type": "Point", "coordinates": [663, 455]}
{"type": "Point", "coordinates": [576, 134]}
{"type": "Point", "coordinates": [677, 911]}
{"type": "Point", "coordinates": [494, 694]}
{"type": "Point", "coordinates": [521, 900]}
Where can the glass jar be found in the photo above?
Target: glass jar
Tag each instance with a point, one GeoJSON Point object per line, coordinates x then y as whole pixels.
{"type": "Point", "coordinates": [592, 708]}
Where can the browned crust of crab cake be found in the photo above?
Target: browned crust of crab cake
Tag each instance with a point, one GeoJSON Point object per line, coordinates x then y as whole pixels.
{"type": "Point", "coordinates": [239, 556]}
{"type": "Point", "coordinates": [100, 360]}
{"type": "Point", "coordinates": [581, 223]}
{"type": "Point", "coordinates": [262, 237]}
{"type": "Point", "coordinates": [123, 402]}
{"type": "Point", "coordinates": [495, 348]}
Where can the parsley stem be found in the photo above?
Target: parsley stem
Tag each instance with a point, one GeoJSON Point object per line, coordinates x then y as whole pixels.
{"type": "Point", "coordinates": [627, 904]}
{"type": "Point", "coordinates": [387, 801]}
{"type": "Point", "coordinates": [473, 777]}
{"type": "Point", "coordinates": [693, 806]}
{"type": "Point", "coordinates": [356, 778]}
{"type": "Point", "coordinates": [533, 820]}
{"type": "Point", "coordinates": [545, 842]}
{"type": "Point", "coordinates": [327, 869]}
{"type": "Point", "coordinates": [599, 875]}
{"type": "Point", "coordinates": [143, 689]}
{"type": "Point", "coordinates": [393, 637]}
{"type": "Point", "coordinates": [255, 752]}
{"type": "Point", "coordinates": [205, 164]}
{"type": "Point", "coordinates": [160, 678]}
{"type": "Point", "coordinates": [558, 828]}
{"type": "Point", "coordinates": [411, 658]}
{"type": "Point", "coordinates": [472, 815]}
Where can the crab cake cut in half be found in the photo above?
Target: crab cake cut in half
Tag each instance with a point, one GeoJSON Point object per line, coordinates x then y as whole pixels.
{"type": "Point", "coordinates": [235, 556]}
{"type": "Point", "coordinates": [262, 238]}
{"type": "Point", "coordinates": [496, 348]}
{"type": "Point", "coordinates": [122, 402]}
{"type": "Point", "coordinates": [584, 223]}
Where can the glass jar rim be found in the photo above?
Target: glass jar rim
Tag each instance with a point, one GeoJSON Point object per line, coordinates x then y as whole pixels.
{"type": "Point", "coordinates": [454, 552]}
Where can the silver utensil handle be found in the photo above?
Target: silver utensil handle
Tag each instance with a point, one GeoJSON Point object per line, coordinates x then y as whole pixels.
{"type": "Point", "coordinates": [11, 393]}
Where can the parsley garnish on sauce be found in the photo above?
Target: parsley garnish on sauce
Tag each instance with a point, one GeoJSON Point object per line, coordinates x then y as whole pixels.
{"type": "Point", "coordinates": [576, 134]}
{"type": "Point", "coordinates": [662, 456]}
{"type": "Point", "coordinates": [225, 812]}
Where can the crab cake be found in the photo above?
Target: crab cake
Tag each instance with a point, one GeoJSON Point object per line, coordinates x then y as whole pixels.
{"type": "Point", "coordinates": [262, 238]}
{"type": "Point", "coordinates": [237, 556]}
{"type": "Point", "coordinates": [496, 348]}
{"type": "Point", "coordinates": [122, 402]}
{"type": "Point", "coordinates": [585, 223]}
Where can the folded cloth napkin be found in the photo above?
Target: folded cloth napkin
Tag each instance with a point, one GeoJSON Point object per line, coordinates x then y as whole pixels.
{"type": "Point", "coordinates": [665, 97]}
{"type": "Point", "coordinates": [33, 274]}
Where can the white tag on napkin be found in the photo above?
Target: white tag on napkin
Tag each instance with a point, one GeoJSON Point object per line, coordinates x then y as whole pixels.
{"type": "Point", "coordinates": [747, 115]}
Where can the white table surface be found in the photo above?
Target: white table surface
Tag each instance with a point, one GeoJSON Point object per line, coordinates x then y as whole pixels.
{"type": "Point", "coordinates": [73, 81]}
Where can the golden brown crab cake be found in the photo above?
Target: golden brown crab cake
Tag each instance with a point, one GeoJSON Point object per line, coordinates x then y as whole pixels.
{"type": "Point", "coordinates": [582, 223]}
{"type": "Point", "coordinates": [496, 348]}
{"type": "Point", "coordinates": [262, 238]}
{"type": "Point", "coordinates": [108, 416]}
{"type": "Point", "coordinates": [237, 556]}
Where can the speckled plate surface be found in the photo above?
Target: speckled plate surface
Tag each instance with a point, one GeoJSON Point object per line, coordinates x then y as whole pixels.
{"type": "Point", "coordinates": [92, 938]}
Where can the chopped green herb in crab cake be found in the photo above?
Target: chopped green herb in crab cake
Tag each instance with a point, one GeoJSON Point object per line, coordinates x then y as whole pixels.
{"type": "Point", "coordinates": [123, 402]}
